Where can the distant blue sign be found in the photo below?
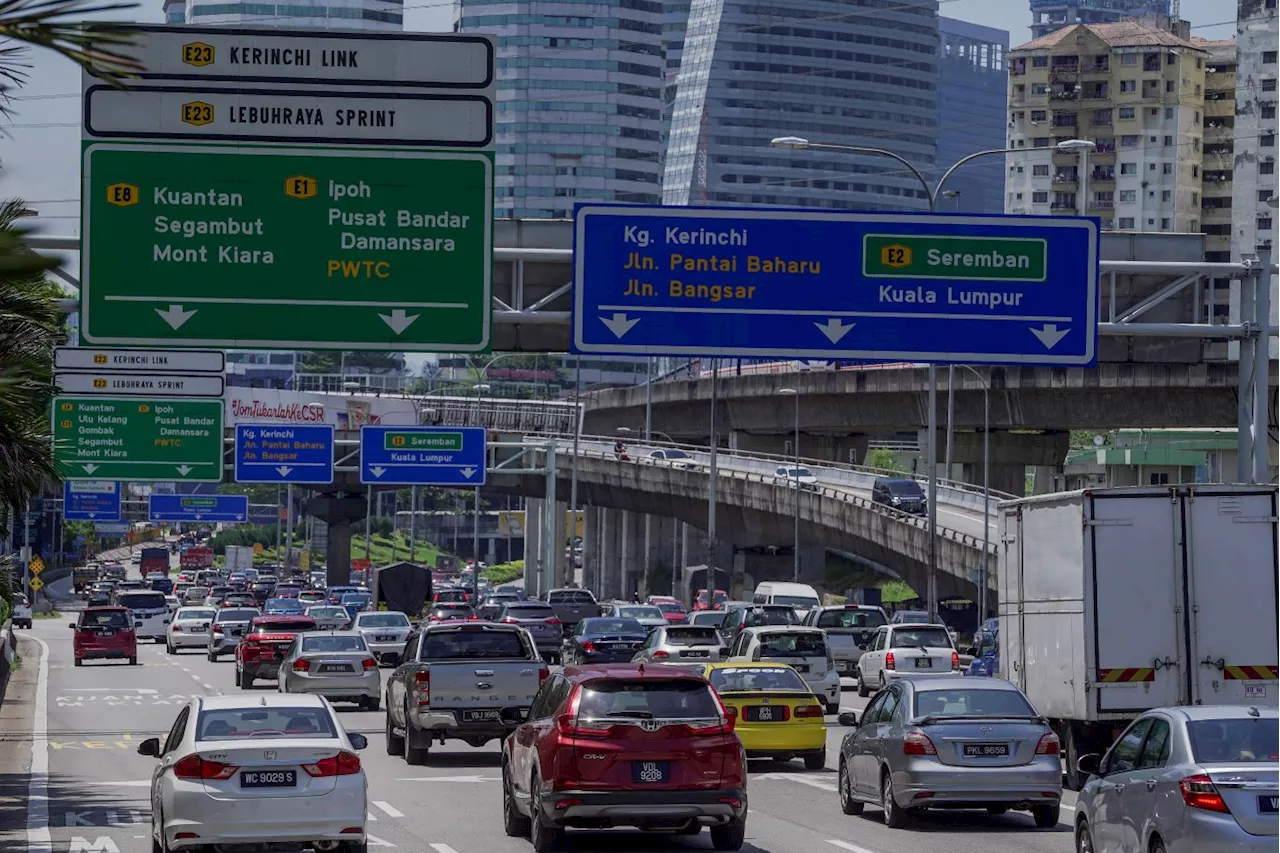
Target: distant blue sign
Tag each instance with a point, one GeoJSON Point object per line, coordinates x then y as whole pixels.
{"type": "Point", "coordinates": [422, 456]}
{"type": "Point", "coordinates": [90, 500]}
{"type": "Point", "coordinates": [209, 508]}
{"type": "Point", "coordinates": [266, 453]}
{"type": "Point", "coordinates": [735, 283]}
{"type": "Point", "coordinates": [111, 528]}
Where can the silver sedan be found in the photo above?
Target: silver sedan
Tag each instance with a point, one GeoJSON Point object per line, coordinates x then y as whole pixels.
{"type": "Point", "coordinates": [1184, 780]}
{"type": "Point", "coordinates": [330, 617]}
{"type": "Point", "coordinates": [336, 665]}
{"type": "Point", "coordinates": [682, 644]}
{"type": "Point", "coordinates": [930, 742]}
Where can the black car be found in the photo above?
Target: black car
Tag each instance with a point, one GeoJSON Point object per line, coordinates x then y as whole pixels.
{"type": "Point", "coordinates": [493, 603]}
{"type": "Point", "coordinates": [603, 639]}
{"type": "Point", "coordinates": [901, 493]}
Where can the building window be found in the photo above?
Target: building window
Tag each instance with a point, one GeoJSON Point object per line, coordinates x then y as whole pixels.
{"type": "Point", "coordinates": [1041, 171]}
{"type": "Point", "coordinates": [1128, 168]}
{"type": "Point", "coordinates": [1269, 57]}
{"type": "Point", "coordinates": [1264, 223]}
{"type": "Point", "coordinates": [1128, 86]}
{"type": "Point", "coordinates": [1269, 85]}
{"type": "Point", "coordinates": [1018, 196]}
{"type": "Point", "coordinates": [1040, 142]}
{"type": "Point", "coordinates": [1267, 167]}
{"type": "Point", "coordinates": [1038, 115]}
{"type": "Point", "coordinates": [1164, 224]}
{"type": "Point", "coordinates": [1126, 112]}
{"type": "Point", "coordinates": [1168, 140]}
{"type": "Point", "coordinates": [1043, 61]}
{"type": "Point", "coordinates": [1126, 223]}
{"type": "Point", "coordinates": [1168, 112]}
{"type": "Point", "coordinates": [1263, 195]}
{"type": "Point", "coordinates": [1195, 171]}
{"type": "Point", "coordinates": [1267, 140]}
{"type": "Point", "coordinates": [1268, 110]}
{"type": "Point", "coordinates": [1158, 479]}
{"type": "Point", "coordinates": [1039, 88]}
{"type": "Point", "coordinates": [1040, 197]}
{"type": "Point", "coordinates": [1129, 59]}
{"type": "Point", "coordinates": [1166, 168]}
{"type": "Point", "coordinates": [1166, 195]}
{"type": "Point", "coordinates": [1128, 196]}
{"type": "Point", "coordinates": [1170, 85]}
{"type": "Point", "coordinates": [1195, 199]}
{"type": "Point", "coordinates": [1171, 59]}
{"type": "Point", "coordinates": [1130, 140]}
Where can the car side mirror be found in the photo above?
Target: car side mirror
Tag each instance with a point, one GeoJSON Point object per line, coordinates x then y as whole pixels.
{"type": "Point", "coordinates": [150, 746]}
{"type": "Point", "coordinates": [1090, 764]}
{"type": "Point", "coordinates": [848, 718]}
{"type": "Point", "coordinates": [724, 651]}
{"type": "Point", "coordinates": [971, 651]}
{"type": "Point", "coordinates": [137, 624]}
{"type": "Point", "coordinates": [358, 741]}
{"type": "Point", "coordinates": [513, 716]}
{"type": "Point", "coordinates": [71, 625]}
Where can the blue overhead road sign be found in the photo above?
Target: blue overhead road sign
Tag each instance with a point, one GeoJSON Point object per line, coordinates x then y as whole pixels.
{"type": "Point", "coordinates": [266, 453]}
{"type": "Point", "coordinates": [742, 283]}
{"type": "Point", "coordinates": [90, 500]}
{"type": "Point", "coordinates": [198, 508]}
{"type": "Point", "coordinates": [422, 456]}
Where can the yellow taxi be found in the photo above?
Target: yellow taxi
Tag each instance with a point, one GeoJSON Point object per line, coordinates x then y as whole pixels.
{"type": "Point", "coordinates": [778, 716]}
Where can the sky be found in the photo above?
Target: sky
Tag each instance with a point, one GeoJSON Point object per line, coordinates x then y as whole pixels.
{"type": "Point", "coordinates": [39, 156]}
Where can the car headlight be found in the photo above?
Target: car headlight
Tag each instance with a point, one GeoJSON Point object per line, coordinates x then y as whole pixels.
{"type": "Point", "coordinates": [896, 501]}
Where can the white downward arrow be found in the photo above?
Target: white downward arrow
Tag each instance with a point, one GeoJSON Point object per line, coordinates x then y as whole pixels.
{"type": "Point", "coordinates": [619, 324]}
{"type": "Point", "coordinates": [175, 316]}
{"type": "Point", "coordinates": [398, 320]}
{"type": "Point", "coordinates": [834, 329]}
{"type": "Point", "coordinates": [1049, 335]}
{"type": "Point", "coordinates": [377, 471]}
{"type": "Point", "coordinates": [199, 515]}
{"type": "Point", "coordinates": [467, 472]}
{"type": "Point", "coordinates": [184, 470]}
{"type": "Point", "coordinates": [93, 515]}
{"type": "Point", "coordinates": [89, 469]}
{"type": "Point", "coordinates": [283, 470]}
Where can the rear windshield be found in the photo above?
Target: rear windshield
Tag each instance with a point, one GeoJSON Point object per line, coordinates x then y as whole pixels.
{"type": "Point", "coordinates": [785, 645]}
{"type": "Point", "coordinates": [239, 723]}
{"type": "Point", "coordinates": [963, 702]}
{"type": "Point", "coordinates": [708, 617]}
{"type": "Point", "coordinates": [143, 600]}
{"type": "Point", "coordinates": [105, 619]}
{"type": "Point", "coordinates": [912, 616]}
{"type": "Point", "coordinates": [467, 644]}
{"type": "Point", "coordinates": [612, 626]}
{"type": "Point", "coordinates": [741, 678]}
{"type": "Point", "coordinates": [648, 699]}
{"type": "Point", "coordinates": [197, 591]}
{"type": "Point", "coordinates": [530, 611]}
{"type": "Point", "coordinates": [780, 616]}
{"type": "Point", "coordinates": [1251, 740]}
{"type": "Point", "coordinates": [850, 619]}
{"type": "Point", "coordinates": [333, 644]}
{"type": "Point", "coordinates": [935, 638]}
{"type": "Point", "coordinates": [268, 627]}
{"type": "Point", "coordinates": [284, 604]}
{"type": "Point", "coordinates": [383, 620]}
{"type": "Point", "coordinates": [187, 613]}
{"type": "Point", "coordinates": [228, 615]}
{"type": "Point", "coordinates": [692, 635]}
{"type": "Point", "coordinates": [448, 612]}
{"type": "Point", "coordinates": [643, 611]}
{"type": "Point", "coordinates": [670, 607]}
{"type": "Point", "coordinates": [794, 600]}
{"type": "Point", "coordinates": [571, 596]}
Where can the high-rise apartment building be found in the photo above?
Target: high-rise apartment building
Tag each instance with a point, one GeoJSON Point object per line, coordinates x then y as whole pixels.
{"type": "Point", "coordinates": [326, 14]}
{"type": "Point", "coordinates": [972, 84]}
{"type": "Point", "coordinates": [579, 102]}
{"type": "Point", "coordinates": [1254, 150]}
{"type": "Point", "coordinates": [1050, 15]}
{"type": "Point", "coordinates": [1218, 163]}
{"type": "Point", "coordinates": [836, 73]}
{"type": "Point", "coordinates": [1137, 91]}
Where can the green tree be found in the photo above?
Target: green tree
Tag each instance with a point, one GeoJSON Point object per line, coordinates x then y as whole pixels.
{"type": "Point", "coordinates": [882, 458]}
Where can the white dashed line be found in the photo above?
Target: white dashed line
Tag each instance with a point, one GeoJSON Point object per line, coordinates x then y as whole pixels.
{"type": "Point", "coordinates": [375, 841]}
{"type": "Point", "coordinates": [370, 816]}
{"type": "Point", "coordinates": [388, 809]}
{"type": "Point", "coordinates": [207, 686]}
{"type": "Point", "coordinates": [441, 848]}
{"type": "Point", "coordinates": [845, 845]}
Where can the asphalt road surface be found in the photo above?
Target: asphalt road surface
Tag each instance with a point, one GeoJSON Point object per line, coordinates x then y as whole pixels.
{"type": "Point", "coordinates": [87, 722]}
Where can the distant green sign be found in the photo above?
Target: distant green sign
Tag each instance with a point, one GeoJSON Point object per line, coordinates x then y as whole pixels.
{"type": "Point", "coordinates": [422, 441]}
{"type": "Point", "coordinates": [138, 439]}
{"type": "Point", "coordinates": [922, 256]}
{"type": "Point", "coordinates": [290, 248]}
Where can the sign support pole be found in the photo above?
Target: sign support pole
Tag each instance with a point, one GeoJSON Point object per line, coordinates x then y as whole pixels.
{"type": "Point", "coordinates": [931, 445]}
{"type": "Point", "coordinates": [1261, 364]}
{"type": "Point", "coordinates": [711, 493]}
{"type": "Point", "coordinates": [413, 524]}
{"type": "Point", "coordinates": [551, 526]}
{"type": "Point", "coordinates": [288, 547]}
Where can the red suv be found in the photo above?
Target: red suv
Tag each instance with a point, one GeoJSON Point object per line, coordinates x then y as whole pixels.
{"type": "Point", "coordinates": [624, 745]}
{"type": "Point", "coordinates": [260, 651]}
{"type": "Point", "coordinates": [105, 632]}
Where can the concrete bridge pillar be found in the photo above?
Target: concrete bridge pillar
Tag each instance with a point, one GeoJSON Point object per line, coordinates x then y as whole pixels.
{"type": "Point", "coordinates": [591, 519]}
{"type": "Point", "coordinates": [631, 542]}
{"type": "Point", "coordinates": [756, 567]}
{"type": "Point", "coordinates": [563, 563]}
{"type": "Point", "coordinates": [609, 579]}
{"type": "Point", "coordinates": [534, 548]}
{"type": "Point", "coordinates": [338, 511]}
{"type": "Point", "coordinates": [1011, 454]}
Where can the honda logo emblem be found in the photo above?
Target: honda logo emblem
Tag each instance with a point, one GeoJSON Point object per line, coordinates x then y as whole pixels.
{"type": "Point", "coordinates": [650, 725]}
{"type": "Point", "coordinates": [269, 754]}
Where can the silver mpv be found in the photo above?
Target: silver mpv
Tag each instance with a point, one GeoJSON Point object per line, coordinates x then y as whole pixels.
{"type": "Point", "coordinates": [336, 665]}
{"type": "Point", "coordinates": [936, 742]}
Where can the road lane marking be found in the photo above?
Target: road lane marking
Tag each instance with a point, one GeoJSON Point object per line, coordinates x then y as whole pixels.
{"type": "Point", "coordinates": [39, 840]}
{"type": "Point", "coordinates": [388, 809]}
{"type": "Point", "coordinates": [375, 841]}
{"type": "Point", "coordinates": [146, 690]}
{"type": "Point", "coordinates": [101, 844]}
{"type": "Point", "coordinates": [207, 686]}
{"type": "Point", "coordinates": [802, 778]}
{"type": "Point", "coordinates": [442, 848]}
{"type": "Point", "coordinates": [845, 845]}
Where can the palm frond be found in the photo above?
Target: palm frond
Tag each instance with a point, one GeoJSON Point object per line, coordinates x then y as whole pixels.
{"type": "Point", "coordinates": [58, 26]}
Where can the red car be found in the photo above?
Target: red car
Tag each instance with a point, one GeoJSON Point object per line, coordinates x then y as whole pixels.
{"type": "Point", "coordinates": [105, 632]}
{"type": "Point", "coordinates": [672, 610]}
{"type": "Point", "coordinates": [707, 600]}
{"type": "Point", "coordinates": [624, 745]}
{"type": "Point", "coordinates": [260, 651]}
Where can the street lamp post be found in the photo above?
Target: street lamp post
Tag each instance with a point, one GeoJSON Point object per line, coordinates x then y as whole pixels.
{"type": "Point", "coordinates": [932, 192]}
{"type": "Point", "coordinates": [986, 492]}
{"type": "Point", "coordinates": [795, 474]}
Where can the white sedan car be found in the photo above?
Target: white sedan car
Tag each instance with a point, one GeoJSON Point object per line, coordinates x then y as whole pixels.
{"type": "Point", "coordinates": [257, 770]}
{"type": "Point", "coordinates": [189, 629]}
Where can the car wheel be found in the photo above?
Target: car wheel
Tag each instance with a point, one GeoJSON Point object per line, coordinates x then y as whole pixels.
{"type": "Point", "coordinates": [355, 846]}
{"type": "Point", "coordinates": [862, 685]}
{"type": "Point", "coordinates": [133, 660]}
{"type": "Point", "coordinates": [169, 649]}
{"type": "Point", "coordinates": [848, 804]}
{"type": "Point", "coordinates": [833, 708]}
{"type": "Point", "coordinates": [395, 742]}
{"type": "Point", "coordinates": [413, 755]}
{"type": "Point", "coordinates": [158, 844]}
{"type": "Point", "coordinates": [1046, 817]}
{"type": "Point", "coordinates": [729, 836]}
{"type": "Point", "coordinates": [815, 760]}
{"type": "Point", "coordinates": [997, 810]}
{"type": "Point", "coordinates": [1157, 846]}
{"type": "Point", "coordinates": [1084, 839]}
{"type": "Point", "coordinates": [371, 703]}
{"type": "Point", "coordinates": [895, 817]}
{"type": "Point", "coordinates": [246, 681]}
{"type": "Point", "coordinates": [213, 658]}
{"type": "Point", "coordinates": [545, 838]}
{"type": "Point", "coordinates": [79, 662]}
{"type": "Point", "coordinates": [514, 824]}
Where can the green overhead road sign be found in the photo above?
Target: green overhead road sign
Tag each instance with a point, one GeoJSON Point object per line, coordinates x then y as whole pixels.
{"type": "Point", "coordinates": [138, 439]}
{"type": "Point", "coordinates": [298, 248]}
{"type": "Point", "coordinates": [917, 256]}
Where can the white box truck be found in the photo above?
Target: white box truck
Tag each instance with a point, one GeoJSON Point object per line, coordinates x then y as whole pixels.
{"type": "Point", "coordinates": [238, 558]}
{"type": "Point", "coordinates": [1116, 601]}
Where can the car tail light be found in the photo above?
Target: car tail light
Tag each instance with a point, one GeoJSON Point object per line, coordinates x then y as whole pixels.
{"type": "Point", "coordinates": [917, 743]}
{"type": "Point", "coordinates": [217, 629]}
{"type": "Point", "coordinates": [342, 764]}
{"type": "Point", "coordinates": [195, 767]}
{"type": "Point", "coordinates": [552, 621]}
{"type": "Point", "coordinates": [422, 686]}
{"type": "Point", "coordinates": [177, 629]}
{"type": "Point", "coordinates": [368, 664]}
{"type": "Point", "coordinates": [1199, 792]}
{"type": "Point", "coordinates": [302, 665]}
{"type": "Point", "coordinates": [1048, 745]}
{"type": "Point", "coordinates": [589, 647]}
{"type": "Point", "coordinates": [543, 675]}
{"type": "Point", "coordinates": [509, 621]}
{"type": "Point", "coordinates": [433, 618]}
{"type": "Point", "coordinates": [808, 711]}
{"type": "Point", "coordinates": [889, 662]}
{"type": "Point", "coordinates": [661, 655]}
{"type": "Point", "coordinates": [955, 660]}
